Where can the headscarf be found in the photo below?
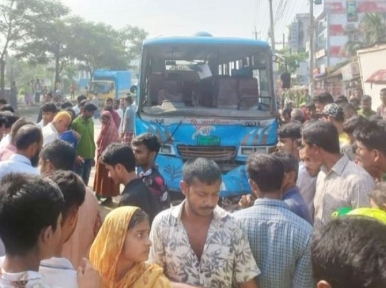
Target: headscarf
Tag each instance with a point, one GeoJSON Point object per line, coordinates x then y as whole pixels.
{"type": "Point", "coordinates": [63, 115]}
{"type": "Point", "coordinates": [108, 135]}
{"type": "Point", "coordinates": [107, 247]}
{"type": "Point", "coordinates": [367, 212]}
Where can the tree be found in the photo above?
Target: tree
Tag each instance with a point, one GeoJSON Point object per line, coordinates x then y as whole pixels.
{"type": "Point", "coordinates": [291, 60]}
{"type": "Point", "coordinates": [370, 32]}
{"type": "Point", "coordinates": [132, 39]}
{"type": "Point", "coordinates": [17, 17]}
{"type": "Point", "coordinates": [99, 46]}
{"type": "Point", "coordinates": [373, 26]}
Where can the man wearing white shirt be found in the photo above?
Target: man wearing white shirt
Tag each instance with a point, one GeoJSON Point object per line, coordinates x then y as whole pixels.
{"type": "Point", "coordinates": [49, 111]}
{"type": "Point", "coordinates": [28, 142]}
{"type": "Point", "coordinates": [10, 120]}
{"type": "Point", "coordinates": [33, 233]}
{"type": "Point", "coordinates": [60, 124]}
{"type": "Point", "coordinates": [118, 109]}
{"type": "Point", "coordinates": [79, 99]}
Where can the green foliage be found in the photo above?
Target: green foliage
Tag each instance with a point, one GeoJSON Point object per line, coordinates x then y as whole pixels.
{"type": "Point", "coordinates": [42, 32]}
{"type": "Point", "coordinates": [291, 60]}
{"type": "Point", "coordinates": [371, 32]}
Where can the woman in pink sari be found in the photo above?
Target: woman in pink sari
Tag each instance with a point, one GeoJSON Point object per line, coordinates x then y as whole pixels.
{"type": "Point", "coordinates": [104, 186]}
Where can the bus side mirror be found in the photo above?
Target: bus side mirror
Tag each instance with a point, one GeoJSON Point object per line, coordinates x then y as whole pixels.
{"type": "Point", "coordinates": [133, 89]}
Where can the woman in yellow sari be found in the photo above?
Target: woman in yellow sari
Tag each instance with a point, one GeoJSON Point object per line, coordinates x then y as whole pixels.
{"type": "Point", "coordinates": [121, 248]}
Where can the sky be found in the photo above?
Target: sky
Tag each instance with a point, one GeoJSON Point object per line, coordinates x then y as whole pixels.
{"type": "Point", "coordinates": [186, 17]}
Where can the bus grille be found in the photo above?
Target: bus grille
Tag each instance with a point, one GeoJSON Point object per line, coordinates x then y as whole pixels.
{"type": "Point", "coordinates": [217, 153]}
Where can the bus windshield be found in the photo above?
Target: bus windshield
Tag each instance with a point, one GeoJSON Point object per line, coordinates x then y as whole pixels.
{"type": "Point", "coordinates": [206, 80]}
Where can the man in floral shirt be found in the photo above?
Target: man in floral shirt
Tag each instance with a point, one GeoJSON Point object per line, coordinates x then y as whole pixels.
{"type": "Point", "coordinates": [146, 147]}
{"type": "Point", "coordinates": [197, 243]}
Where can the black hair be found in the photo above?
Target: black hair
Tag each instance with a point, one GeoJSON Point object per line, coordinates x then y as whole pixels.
{"type": "Point", "coordinates": [348, 107]}
{"type": "Point", "coordinates": [9, 117]}
{"type": "Point", "coordinates": [72, 188]}
{"type": "Point", "coordinates": [66, 105]}
{"type": "Point", "coordinates": [80, 98]}
{"type": "Point", "coordinates": [350, 252]}
{"type": "Point", "coordinates": [3, 121]}
{"type": "Point", "coordinates": [117, 101]}
{"type": "Point", "coordinates": [7, 107]}
{"type": "Point", "coordinates": [383, 90]}
{"type": "Point", "coordinates": [28, 204]}
{"type": "Point", "coordinates": [3, 102]}
{"type": "Point", "coordinates": [341, 99]}
{"type": "Point", "coordinates": [138, 217]}
{"type": "Point", "coordinates": [372, 135]}
{"type": "Point", "coordinates": [311, 105]}
{"type": "Point", "coordinates": [149, 140]}
{"type": "Point", "coordinates": [324, 98]}
{"type": "Point", "coordinates": [366, 98]}
{"type": "Point", "coordinates": [18, 124]}
{"type": "Point", "coordinates": [202, 169]}
{"type": "Point", "coordinates": [27, 135]}
{"type": "Point", "coordinates": [82, 103]}
{"type": "Point", "coordinates": [266, 171]}
{"type": "Point", "coordinates": [299, 115]}
{"type": "Point", "coordinates": [290, 130]}
{"type": "Point", "coordinates": [290, 163]}
{"type": "Point", "coordinates": [61, 155]}
{"type": "Point", "coordinates": [378, 195]}
{"type": "Point", "coordinates": [129, 100]}
{"type": "Point", "coordinates": [375, 117]}
{"type": "Point", "coordinates": [108, 108]}
{"type": "Point", "coordinates": [118, 153]}
{"type": "Point", "coordinates": [287, 111]}
{"type": "Point", "coordinates": [353, 123]}
{"type": "Point", "coordinates": [322, 134]}
{"type": "Point", "coordinates": [90, 107]}
{"type": "Point", "coordinates": [49, 107]}
{"type": "Point", "coordinates": [110, 100]}
{"type": "Point", "coordinates": [71, 111]}
{"type": "Point", "coordinates": [355, 101]}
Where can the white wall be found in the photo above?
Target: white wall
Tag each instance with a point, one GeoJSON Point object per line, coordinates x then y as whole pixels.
{"type": "Point", "coordinates": [370, 61]}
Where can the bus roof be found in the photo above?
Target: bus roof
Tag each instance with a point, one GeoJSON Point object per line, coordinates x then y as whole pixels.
{"type": "Point", "coordinates": [204, 41]}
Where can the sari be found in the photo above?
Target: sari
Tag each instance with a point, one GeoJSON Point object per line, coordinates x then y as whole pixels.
{"type": "Point", "coordinates": [107, 247]}
{"type": "Point", "coordinates": [109, 134]}
{"type": "Point", "coordinates": [104, 186]}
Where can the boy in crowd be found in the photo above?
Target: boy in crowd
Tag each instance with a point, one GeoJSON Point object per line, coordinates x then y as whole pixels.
{"type": "Point", "coordinates": [84, 126]}
{"type": "Point", "coordinates": [10, 120]}
{"type": "Point", "coordinates": [291, 193]}
{"type": "Point", "coordinates": [60, 155]}
{"type": "Point", "coordinates": [366, 110]}
{"type": "Point", "coordinates": [146, 147]}
{"type": "Point", "coordinates": [49, 111]}
{"type": "Point", "coordinates": [29, 207]}
{"type": "Point", "coordinates": [120, 162]}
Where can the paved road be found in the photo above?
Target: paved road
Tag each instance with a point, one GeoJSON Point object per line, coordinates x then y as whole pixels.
{"type": "Point", "coordinates": [31, 113]}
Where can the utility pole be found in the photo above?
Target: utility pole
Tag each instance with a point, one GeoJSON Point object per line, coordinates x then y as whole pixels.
{"type": "Point", "coordinates": [272, 27]}
{"type": "Point", "coordinates": [312, 46]}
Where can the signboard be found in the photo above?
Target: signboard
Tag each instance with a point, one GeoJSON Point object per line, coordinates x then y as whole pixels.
{"type": "Point", "coordinates": [320, 54]}
{"type": "Point", "coordinates": [208, 141]}
{"type": "Point", "coordinates": [351, 11]}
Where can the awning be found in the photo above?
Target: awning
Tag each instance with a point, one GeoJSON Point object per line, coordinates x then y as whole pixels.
{"type": "Point", "coordinates": [379, 77]}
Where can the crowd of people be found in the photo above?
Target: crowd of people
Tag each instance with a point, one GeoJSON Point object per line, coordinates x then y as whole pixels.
{"type": "Point", "coordinates": [315, 218]}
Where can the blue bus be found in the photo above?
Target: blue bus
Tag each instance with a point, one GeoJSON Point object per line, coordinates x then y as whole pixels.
{"type": "Point", "coordinates": [206, 96]}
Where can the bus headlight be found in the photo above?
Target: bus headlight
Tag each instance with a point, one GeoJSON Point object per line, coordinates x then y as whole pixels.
{"type": "Point", "coordinates": [167, 149]}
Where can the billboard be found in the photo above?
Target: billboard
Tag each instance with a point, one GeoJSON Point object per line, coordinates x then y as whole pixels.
{"type": "Point", "coordinates": [354, 7]}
